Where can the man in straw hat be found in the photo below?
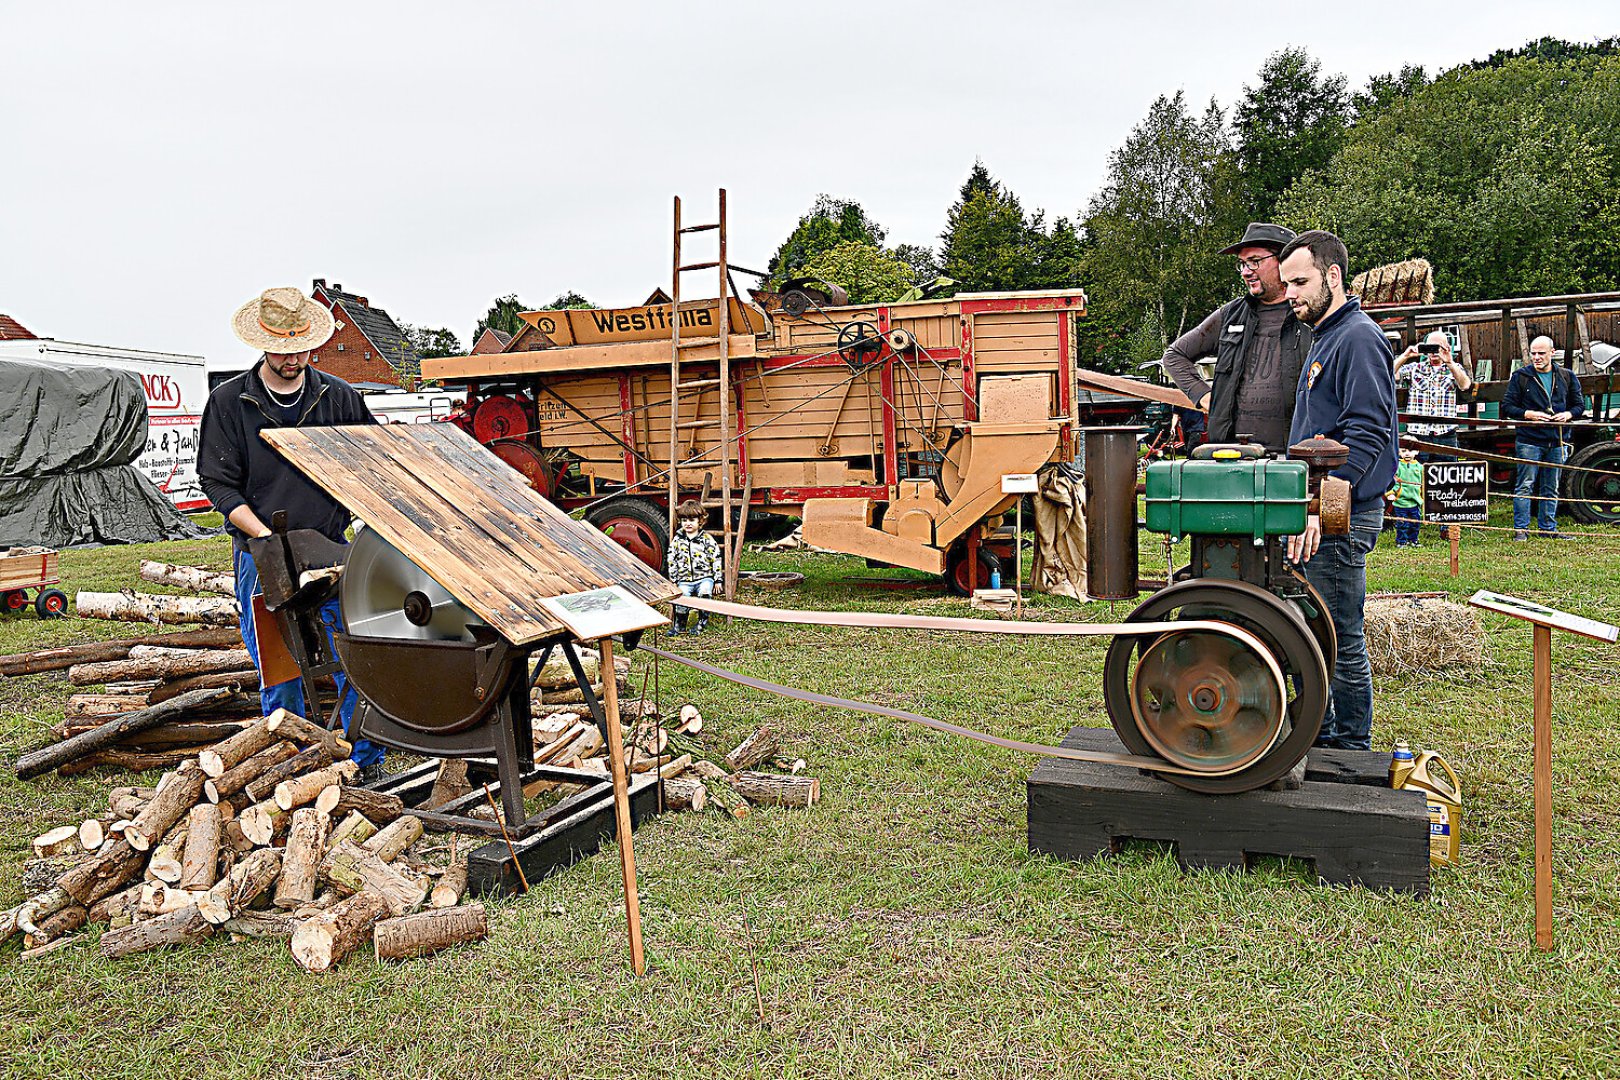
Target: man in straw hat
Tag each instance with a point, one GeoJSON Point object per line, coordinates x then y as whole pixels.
{"type": "Point", "coordinates": [248, 481]}
{"type": "Point", "coordinates": [1259, 346]}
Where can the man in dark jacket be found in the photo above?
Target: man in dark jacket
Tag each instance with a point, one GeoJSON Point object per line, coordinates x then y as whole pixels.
{"type": "Point", "coordinates": [1540, 390]}
{"type": "Point", "coordinates": [1258, 344]}
{"type": "Point", "coordinates": [1346, 392]}
{"type": "Point", "coordinates": [248, 481]}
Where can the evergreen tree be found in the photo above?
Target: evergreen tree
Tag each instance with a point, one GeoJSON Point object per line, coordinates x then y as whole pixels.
{"type": "Point", "coordinates": [1293, 120]}
{"type": "Point", "coordinates": [829, 223]}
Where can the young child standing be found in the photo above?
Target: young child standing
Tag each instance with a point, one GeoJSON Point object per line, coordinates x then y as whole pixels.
{"type": "Point", "coordinates": [1408, 496]}
{"type": "Point", "coordinates": [694, 563]}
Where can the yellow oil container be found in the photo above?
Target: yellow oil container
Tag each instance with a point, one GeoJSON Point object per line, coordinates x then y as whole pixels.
{"type": "Point", "coordinates": [1429, 773]}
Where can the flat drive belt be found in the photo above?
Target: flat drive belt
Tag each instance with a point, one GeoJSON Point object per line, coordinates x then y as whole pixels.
{"type": "Point", "coordinates": [937, 622]}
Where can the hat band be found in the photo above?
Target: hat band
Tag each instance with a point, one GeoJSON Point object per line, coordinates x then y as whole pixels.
{"type": "Point", "coordinates": [304, 329]}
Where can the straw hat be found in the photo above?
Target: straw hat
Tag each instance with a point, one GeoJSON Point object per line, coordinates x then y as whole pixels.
{"type": "Point", "coordinates": [282, 321]}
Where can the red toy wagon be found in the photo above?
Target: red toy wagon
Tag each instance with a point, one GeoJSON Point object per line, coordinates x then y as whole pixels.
{"type": "Point", "coordinates": [24, 568]}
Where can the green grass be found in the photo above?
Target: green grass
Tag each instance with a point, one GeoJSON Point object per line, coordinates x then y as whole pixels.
{"type": "Point", "coordinates": [901, 927]}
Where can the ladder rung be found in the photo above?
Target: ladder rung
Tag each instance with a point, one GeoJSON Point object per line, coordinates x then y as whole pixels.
{"type": "Point", "coordinates": [697, 384]}
{"type": "Point", "coordinates": [700, 266]}
{"type": "Point", "coordinates": [694, 342]}
{"type": "Point", "coordinates": [700, 228]}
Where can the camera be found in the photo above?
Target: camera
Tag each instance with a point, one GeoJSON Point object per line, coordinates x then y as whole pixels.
{"type": "Point", "coordinates": [1429, 348]}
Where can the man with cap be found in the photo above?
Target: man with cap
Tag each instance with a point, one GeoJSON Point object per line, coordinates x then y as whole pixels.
{"type": "Point", "coordinates": [1259, 347]}
{"type": "Point", "coordinates": [248, 481]}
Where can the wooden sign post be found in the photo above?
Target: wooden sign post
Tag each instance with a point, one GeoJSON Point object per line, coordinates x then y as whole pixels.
{"type": "Point", "coordinates": [1454, 491]}
{"type": "Point", "coordinates": [1544, 620]}
{"type": "Point", "coordinates": [1019, 484]}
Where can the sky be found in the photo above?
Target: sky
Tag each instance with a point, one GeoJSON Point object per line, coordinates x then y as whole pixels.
{"type": "Point", "coordinates": [163, 163]}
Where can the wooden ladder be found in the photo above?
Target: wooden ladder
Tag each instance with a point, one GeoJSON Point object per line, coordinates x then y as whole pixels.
{"type": "Point", "coordinates": [723, 383]}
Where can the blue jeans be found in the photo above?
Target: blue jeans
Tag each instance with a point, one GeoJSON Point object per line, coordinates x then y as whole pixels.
{"type": "Point", "coordinates": [1406, 524]}
{"type": "Point", "coordinates": [701, 587]}
{"type": "Point", "coordinates": [1538, 484]}
{"type": "Point", "coordinates": [1444, 438]}
{"type": "Point", "coordinates": [290, 695]}
{"type": "Point", "coordinates": [1338, 571]}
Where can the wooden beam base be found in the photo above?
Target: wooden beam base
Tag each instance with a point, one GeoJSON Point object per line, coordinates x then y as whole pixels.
{"type": "Point", "coordinates": [1344, 818]}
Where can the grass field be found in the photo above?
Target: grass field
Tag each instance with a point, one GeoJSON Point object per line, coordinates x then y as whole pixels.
{"type": "Point", "coordinates": [901, 927]}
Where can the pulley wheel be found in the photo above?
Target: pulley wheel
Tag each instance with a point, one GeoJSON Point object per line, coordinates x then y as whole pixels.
{"type": "Point", "coordinates": [859, 344]}
{"type": "Point", "coordinates": [528, 461]}
{"type": "Point", "coordinates": [1205, 701]}
{"type": "Point", "coordinates": [500, 417]}
{"type": "Point", "coordinates": [1275, 622]}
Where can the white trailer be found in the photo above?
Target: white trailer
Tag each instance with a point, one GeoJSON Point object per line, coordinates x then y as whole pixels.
{"type": "Point", "coordinates": [176, 388]}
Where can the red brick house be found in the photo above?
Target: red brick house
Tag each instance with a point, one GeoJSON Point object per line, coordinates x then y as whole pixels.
{"type": "Point", "coordinates": [367, 346]}
{"type": "Point", "coordinates": [491, 341]}
{"type": "Point", "coordinates": [12, 330]}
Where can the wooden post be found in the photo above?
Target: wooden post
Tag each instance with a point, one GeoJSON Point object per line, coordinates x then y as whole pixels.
{"type": "Point", "coordinates": [1542, 772]}
{"type": "Point", "coordinates": [675, 374]}
{"type": "Point", "coordinates": [1018, 555]}
{"type": "Point", "coordinates": [1455, 533]}
{"type": "Point", "coordinates": [621, 807]}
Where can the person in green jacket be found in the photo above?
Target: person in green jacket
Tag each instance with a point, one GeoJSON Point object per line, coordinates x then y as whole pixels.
{"type": "Point", "coordinates": [1408, 498]}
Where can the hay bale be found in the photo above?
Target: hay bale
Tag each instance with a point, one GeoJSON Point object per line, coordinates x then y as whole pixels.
{"type": "Point", "coordinates": [1420, 634]}
{"type": "Point", "coordinates": [1408, 282]}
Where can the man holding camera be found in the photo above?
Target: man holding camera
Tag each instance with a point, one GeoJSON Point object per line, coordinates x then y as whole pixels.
{"type": "Point", "coordinates": [1433, 378]}
{"type": "Point", "coordinates": [1258, 344]}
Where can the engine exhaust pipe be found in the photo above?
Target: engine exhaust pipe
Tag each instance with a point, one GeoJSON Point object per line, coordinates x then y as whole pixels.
{"type": "Point", "coordinates": [1111, 557]}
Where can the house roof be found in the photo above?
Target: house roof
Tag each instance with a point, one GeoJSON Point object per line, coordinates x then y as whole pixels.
{"type": "Point", "coordinates": [12, 330]}
{"type": "Point", "coordinates": [378, 327]}
{"type": "Point", "coordinates": [491, 341]}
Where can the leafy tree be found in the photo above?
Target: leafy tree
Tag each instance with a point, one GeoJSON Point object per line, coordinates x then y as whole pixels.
{"type": "Point", "coordinates": [1382, 91]}
{"type": "Point", "coordinates": [868, 273]}
{"type": "Point", "coordinates": [428, 342]}
{"type": "Point", "coordinates": [1292, 120]}
{"type": "Point", "coordinates": [503, 316]}
{"type": "Point", "coordinates": [1501, 176]}
{"type": "Point", "coordinates": [830, 223]}
{"type": "Point", "coordinates": [922, 261]}
{"type": "Point", "coordinates": [570, 299]}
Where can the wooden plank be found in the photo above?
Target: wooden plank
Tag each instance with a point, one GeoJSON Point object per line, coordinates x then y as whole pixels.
{"type": "Point", "coordinates": [579, 358]}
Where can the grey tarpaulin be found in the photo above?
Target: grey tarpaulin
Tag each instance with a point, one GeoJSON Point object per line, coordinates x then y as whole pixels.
{"type": "Point", "coordinates": [67, 438]}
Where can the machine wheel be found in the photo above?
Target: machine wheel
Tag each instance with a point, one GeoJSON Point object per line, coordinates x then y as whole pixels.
{"type": "Point", "coordinates": [51, 604]}
{"type": "Point", "coordinates": [956, 570]}
{"type": "Point", "coordinates": [637, 525]}
{"type": "Point", "coordinates": [14, 601]}
{"type": "Point", "coordinates": [1274, 621]}
{"type": "Point", "coordinates": [1594, 499]}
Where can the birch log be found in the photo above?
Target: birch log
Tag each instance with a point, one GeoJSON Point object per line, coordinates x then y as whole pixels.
{"type": "Point", "coordinates": [426, 932]}
{"type": "Point", "coordinates": [131, 606]}
{"type": "Point", "coordinates": [195, 578]}
{"type": "Point", "coordinates": [321, 942]}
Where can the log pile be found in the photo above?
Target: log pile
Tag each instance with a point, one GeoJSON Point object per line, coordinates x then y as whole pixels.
{"type": "Point", "coordinates": [257, 835]}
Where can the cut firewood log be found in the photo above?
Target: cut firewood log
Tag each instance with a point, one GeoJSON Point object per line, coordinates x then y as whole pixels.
{"type": "Point", "coordinates": [355, 827]}
{"type": "Point", "coordinates": [243, 682]}
{"type": "Point", "coordinates": [195, 578]}
{"type": "Point", "coordinates": [98, 705]}
{"type": "Point", "coordinates": [92, 833]}
{"type": "Point", "coordinates": [130, 760]}
{"type": "Point", "coordinates": [181, 735]}
{"type": "Point", "coordinates": [758, 747]}
{"type": "Point", "coordinates": [113, 732]}
{"type": "Point", "coordinates": [71, 918]}
{"type": "Point", "coordinates": [119, 903]}
{"type": "Point", "coordinates": [264, 785]}
{"type": "Point", "coordinates": [164, 864]}
{"type": "Point", "coordinates": [24, 916]}
{"type": "Point", "coordinates": [427, 932]}
{"type": "Point", "coordinates": [160, 899]}
{"type": "Point", "coordinates": [720, 792]}
{"type": "Point", "coordinates": [236, 749]}
{"type": "Point", "coordinates": [691, 721]}
{"type": "Point", "coordinates": [241, 774]}
{"type": "Point", "coordinates": [708, 770]}
{"type": "Point", "coordinates": [126, 802]}
{"type": "Point", "coordinates": [131, 606]}
{"type": "Point", "coordinates": [291, 726]}
{"type": "Point", "coordinates": [380, 807]}
{"type": "Point", "coordinates": [176, 928]}
{"type": "Point", "coordinates": [775, 789]}
{"type": "Point", "coordinates": [321, 942]}
{"type": "Point", "coordinates": [352, 869]}
{"type": "Point", "coordinates": [685, 793]}
{"type": "Point", "coordinates": [588, 742]}
{"type": "Point", "coordinates": [41, 660]}
{"type": "Point", "coordinates": [556, 672]}
{"type": "Point", "coordinates": [270, 924]}
{"type": "Point", "coordinates": [246, 882]}
{"type": "Point", "coordinates": [291, 794]}
{"type": "Point", "coordinates": [176, 795]}
{"type": "Point", "coordinates": [306, 843]}
{"type": "Point", "coordinates": [104, 873]}
{"type": "Point", "coordinates": [145, 662]}
{"type": "Point", "coordinates": [263, 822]}
{"type": "Point", "coordinates": [388, 844]}
{"type": "Point", "coordinates": [57, 841]}
{"type": "Point", "coordinates": [234, 838]}
{"type": "Point", "coordinates": [665, 766]}
{"type": "Point", "coordinates": [450, 886]}
{"type": "Point", "coordinates": [200, 865]}
{"type": "Point", "coordinates": [450, 784]}
{"type": "Point", "coordinates": [573, 695]}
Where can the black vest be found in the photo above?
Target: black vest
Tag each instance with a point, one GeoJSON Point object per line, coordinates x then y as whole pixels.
{"type": "Point", "coordinates": [1230, 350]}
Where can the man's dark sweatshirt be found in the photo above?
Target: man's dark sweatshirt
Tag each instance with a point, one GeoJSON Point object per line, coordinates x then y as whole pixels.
{"type": "Point", "coordinates": [1347, 392]}
{"type": "Point", "coordinates": [238, 467]}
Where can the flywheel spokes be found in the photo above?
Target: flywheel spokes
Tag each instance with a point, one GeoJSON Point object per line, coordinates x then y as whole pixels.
{"type": "Point", "coordinates": [1206, 702]}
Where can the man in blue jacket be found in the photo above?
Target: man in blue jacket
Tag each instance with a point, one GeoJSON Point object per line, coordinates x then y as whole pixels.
{"type": "Point", "coordinates": [247, 481]}
{"type": "Point", "coordinates": [1540, 390]}
{"type": "Point", "coordinates": [1346, 392]}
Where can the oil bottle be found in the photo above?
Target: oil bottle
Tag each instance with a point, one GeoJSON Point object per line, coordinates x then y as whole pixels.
{"type": "Point", "coordinates": [1429, 773]}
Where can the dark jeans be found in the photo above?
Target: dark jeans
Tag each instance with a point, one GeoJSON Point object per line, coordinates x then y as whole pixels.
{"type": "Point", "coordinates": [290, 695]}
{"type": "Point", "coordinates": [1339, 572]}
{"type": "Point", "coordinates": [1446, 438]}
{"type": "Point", "coordinates": [1538, 484]}
{"type": "Point", "coordinates": [1406, 524]}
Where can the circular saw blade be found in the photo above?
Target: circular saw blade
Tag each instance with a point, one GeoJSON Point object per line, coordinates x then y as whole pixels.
{"type": "Point", "coordinates": [378, 585]}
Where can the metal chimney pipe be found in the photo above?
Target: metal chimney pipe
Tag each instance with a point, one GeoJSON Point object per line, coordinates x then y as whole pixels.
{"type": "Point", "coordinates": [1111, 555]}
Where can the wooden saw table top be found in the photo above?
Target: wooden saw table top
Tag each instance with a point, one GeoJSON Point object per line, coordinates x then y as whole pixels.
{"type": "Point", "coordinates": [467, 519]}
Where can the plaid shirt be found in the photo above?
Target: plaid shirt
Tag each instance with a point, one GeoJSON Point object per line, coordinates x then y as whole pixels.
{"type": "Point", "coordinates": [693, 558]}
{"type": "Point", "coordinates": [1433, 393]}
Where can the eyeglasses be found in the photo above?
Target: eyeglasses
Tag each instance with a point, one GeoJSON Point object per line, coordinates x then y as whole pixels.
{"type": "Point", "coordinates": [1253, 264]}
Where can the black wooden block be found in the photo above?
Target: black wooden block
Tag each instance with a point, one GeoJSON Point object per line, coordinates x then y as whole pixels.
{"type": "Point", "coordinates": [1344, 818]}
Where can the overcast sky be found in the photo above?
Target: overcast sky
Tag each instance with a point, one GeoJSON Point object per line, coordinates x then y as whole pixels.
{"type": "Point", "coordinates": [163, 163]}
